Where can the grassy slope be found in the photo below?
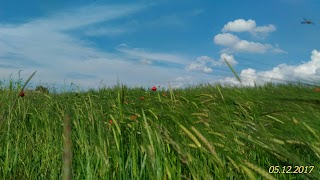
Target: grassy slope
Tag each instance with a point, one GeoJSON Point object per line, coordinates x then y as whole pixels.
{"type": "Point", "coordinates": [202, 132]}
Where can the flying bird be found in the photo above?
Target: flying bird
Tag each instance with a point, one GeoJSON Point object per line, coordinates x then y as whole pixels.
{"type": "Point", "coordinates": [306, 21]}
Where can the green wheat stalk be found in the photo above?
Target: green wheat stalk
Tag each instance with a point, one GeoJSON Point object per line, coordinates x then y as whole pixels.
{"type": "Point", "coordinates": [234, 72]}
{"type": "Point", "coordinates": [25, 84]}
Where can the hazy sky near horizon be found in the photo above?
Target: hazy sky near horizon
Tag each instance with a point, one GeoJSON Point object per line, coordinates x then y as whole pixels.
{"type": "Point", "coordinates": [145, 43]}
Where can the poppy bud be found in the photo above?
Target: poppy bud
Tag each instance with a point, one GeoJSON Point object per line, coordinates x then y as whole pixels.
{"type": "Point", "coordinates": [153, 88]}
{"type": "Point", "coordinates": [21, 94]}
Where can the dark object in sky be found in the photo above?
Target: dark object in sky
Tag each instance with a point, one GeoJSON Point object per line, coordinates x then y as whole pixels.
{"type": "Point", "coordinates": [306, 21]}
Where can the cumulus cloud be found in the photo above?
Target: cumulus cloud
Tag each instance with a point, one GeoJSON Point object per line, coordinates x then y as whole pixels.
{"type": "Point", "coordinates": [305, 72]}
{"type": "Point", "coordinates": [241, 25]}
{"type": "Point", "coordinates": [264, 29]}
{"type": "Point", "coordinates": [201, 64]}
{"type": "Point", "coordinates": [226, 39]}
{"type": "Point", "coordinates": [234, 43]}
{"type": "Point", "coordinates": [229, 58]}
{"type": "Point", "coordinates": [205, 64]}
{"type": "Point", "coordinates": [251, 47]}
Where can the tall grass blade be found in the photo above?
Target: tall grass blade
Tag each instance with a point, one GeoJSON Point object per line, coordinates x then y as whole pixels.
{"type": "Point", "coordinates": [274, 118]}
{"type": "Point", "coordinates": [148, 130]}
{"type": "Point", "coordinates": [220, 93]}
{"type": "Point", "coordinates": [313, 132]}
{"type": "Point", "coordinates": [234, 72]}
{"type": "Point", "coordinates": [143, 165]}
{"type": "Point", "coordinates": [249, 172]}
{"type": "Point", "coordinates": [259, 170]}
{"type": "Point", "coordinates": [191, 136]}
{"type": "Point", "coordinates": [67, 151]}
{"type": "Point", "coordinates": [209, 146]}
{"type": "Point", "coordinates": [172, 96]}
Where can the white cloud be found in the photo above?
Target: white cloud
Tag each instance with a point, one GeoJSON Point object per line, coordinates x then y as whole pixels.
{"type": "Point", "coordinates": [234, 43]}
{"type": "Point", "coordinates": [249, 75]}
{"type": "Point", "coordinates": [241, 25]}
{"type": "Point", "coordinates": [264, 29]}
{"type": "Point", "coordinates": [278, 50]}
{"type": "Point", "coordinates": [205, 64]}
{"type": "Point", "coordinates": [201, 64]}
{"type": "Point", "coordinates": [45, 42]}
{"type": "Point", "coordinates": [143, 54]}
{"type": "Point", "coordinates": [251, 47]}
{"type": "Point", "coordinates": [228, 58]}
{"type": "Point", "coordinates": [84, 16]}
{"type": "Point", "coordinates": [46, 45]}
{"type": "Point", "coordinates": [226, 39]}
{"type": "Point", "coordinates": [181, 81]}
{"type": "Point", "coordinates": [305, 72]}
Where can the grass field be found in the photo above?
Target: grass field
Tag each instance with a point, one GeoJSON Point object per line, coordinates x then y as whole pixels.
{"type": "Point", "coordinates": [201, 132]}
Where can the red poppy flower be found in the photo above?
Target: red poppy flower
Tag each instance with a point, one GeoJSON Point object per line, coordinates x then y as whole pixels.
{"type": "Point", "coordinates": [154, 88]}
{"type": "Point", "coordinates": [21, 94]}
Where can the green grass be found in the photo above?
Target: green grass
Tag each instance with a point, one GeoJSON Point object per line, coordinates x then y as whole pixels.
{"type": "Point", "coordinates": [201, 132]}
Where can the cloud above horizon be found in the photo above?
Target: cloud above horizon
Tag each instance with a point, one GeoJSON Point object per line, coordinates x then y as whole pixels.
{"type": "Point", "coordinates": [308, 72]}
{"type": "Point", "coordinates": [46, 41]}
{"type": "Point", "coordinates": [206, 64]}
{"type": "Point", "coordinates": [233, 43]}
{"type": "Point", "coordinates": [45, 44]}
{"type": "Point", "coordinates": [282, 73]}
{"type": "Point", "coordinates": [90, 43]}
{"type": "Point", "coordinates": [241, 25]}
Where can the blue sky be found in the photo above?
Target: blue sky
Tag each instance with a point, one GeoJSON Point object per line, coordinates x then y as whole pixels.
{"type": "Point", "coordinates": [144, 43]}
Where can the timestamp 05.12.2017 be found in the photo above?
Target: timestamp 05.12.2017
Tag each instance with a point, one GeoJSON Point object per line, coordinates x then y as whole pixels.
{"type": "Point", "coordinates": [291, 169]}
